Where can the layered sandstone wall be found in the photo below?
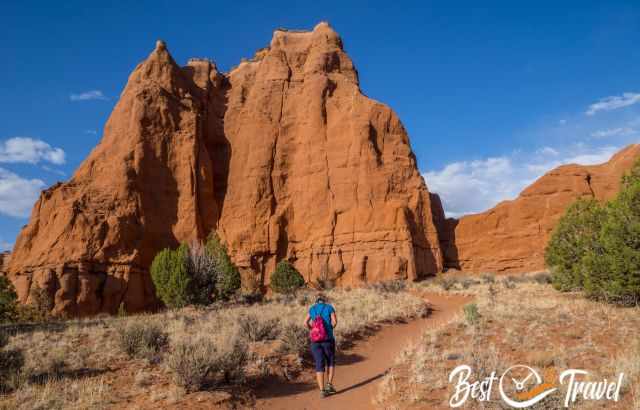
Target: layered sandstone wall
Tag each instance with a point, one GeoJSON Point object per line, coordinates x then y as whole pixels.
{"type": "Point", "coordinates": [511, 237]}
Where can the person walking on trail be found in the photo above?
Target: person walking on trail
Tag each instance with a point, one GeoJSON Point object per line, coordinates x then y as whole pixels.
{"type": "Point", "coordinates": [321, 320]}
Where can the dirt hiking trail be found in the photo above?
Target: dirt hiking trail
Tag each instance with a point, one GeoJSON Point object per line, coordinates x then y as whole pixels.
{"type": "Point", "coordinates": [360, 368]}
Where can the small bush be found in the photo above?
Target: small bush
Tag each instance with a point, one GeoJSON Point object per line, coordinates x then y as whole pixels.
{"type": "Point", "coordinates": [228, 280]}
{"type": "Point", "coordinates": [231, 360]}
{"type": "Point", "coordinates": [203, 275]}
{"type": "Point", "coordinates": [295, 339]}
{"type": "Point", "coordinates": [471, 314]}
{"type": "Point", "coordinates": [256, 330]}
{"type": "Point", "coordinates": [170, 275]}
{"type": "Point", "coordinates": [11, 362]}
{"type": "Point", "coordinates": [509, 283]}
{"type": "Point", "coordinates": [191, 362]}
{"type": "Point", "coordinates": [286, 279]}
{"type": "Point", "coordinates": [391, 286]}
{"type": "Point", "coordinates": [8, 300]}
{"type": "Point", "coordinates": [142, 340]}
{"type": "Point", "coordinates": [542, 278]}
{"type": "Point", "coordinates": [447, 283]}
{"type": "Point", "coordinates": [488, 278]}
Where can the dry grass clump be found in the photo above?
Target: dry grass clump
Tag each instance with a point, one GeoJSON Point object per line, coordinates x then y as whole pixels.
{"type": "Point", "coordinates": [256, 330]}
{"type": "Point", "coordinates": [524, 321]}
{"type": "Point", "coordinates": [91, 393]}
{"type": "Point", "coordinates": [142, 339]}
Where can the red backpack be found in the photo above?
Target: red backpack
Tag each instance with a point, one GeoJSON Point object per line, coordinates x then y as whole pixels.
{"type": "Point", "coordinates": [318, 333]}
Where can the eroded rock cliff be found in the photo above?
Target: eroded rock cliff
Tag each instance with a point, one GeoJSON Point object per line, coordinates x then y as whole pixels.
{"type": "Point", "coordinates": [283, 156]}
{"type": "Point", "coordinates": [511, 237]}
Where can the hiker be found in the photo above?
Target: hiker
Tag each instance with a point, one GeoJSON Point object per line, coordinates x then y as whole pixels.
{"type": "Point", "coordinates": [321, 320]}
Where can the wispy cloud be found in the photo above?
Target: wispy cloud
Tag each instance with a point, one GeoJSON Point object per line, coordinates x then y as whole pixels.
{"type": "Point", "coordinates": [91, 132]}
{"type": "Point", "coordinates": [88, 95]}
{"type": "Point", "coordinates": [613, 103]}
{"type": "Point", "coordinates": [54, 171]}
{"type": "Point", "coordinates": [17, 194]}
{"type": "Point", "coordinates": [29, 150]}
{"type": "Point", "coordinates": [5, 246]}
{"type": "Point", "coordinates": [475, 186]}
{"type": "Point", "coordinates": [614, 132]}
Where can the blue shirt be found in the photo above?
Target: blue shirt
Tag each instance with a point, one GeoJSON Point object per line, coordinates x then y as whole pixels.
{"type": "Point", "coordinates": [325, 310]}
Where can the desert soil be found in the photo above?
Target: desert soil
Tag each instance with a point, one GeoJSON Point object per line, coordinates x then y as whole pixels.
{"type": "Point", "coordinates": [359, 368]}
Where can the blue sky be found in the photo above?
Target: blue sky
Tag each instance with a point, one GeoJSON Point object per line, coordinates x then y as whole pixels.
{"type": "Point", "coordinates": [492, 93]}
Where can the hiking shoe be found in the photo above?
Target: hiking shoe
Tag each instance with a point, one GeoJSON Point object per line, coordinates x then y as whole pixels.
{"type": "Point", "coordinates": [324, 393]}
{"type": "Point", "coordinates": [330, 389]}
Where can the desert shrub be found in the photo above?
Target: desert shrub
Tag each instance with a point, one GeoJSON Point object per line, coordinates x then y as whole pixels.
{"type": "Point", "coordinates": [231, 359]}
{"type": "Point", "coordinates": [468, 282]}
{"type": "Point", "coordinates": [488, 278]}
{"type": "Point", "coordinates": [295, 339]}
{"type": "Point", "coordinates": [228, 280]}
{"type": "Point", "coordinates": [41, 303]}
{"type": "Point", "coordinates": [190, 363]}
{"type": "Point", "coordinates": [11, 362]}
{"type": "Point", "coordinates": [170, 275]}
{"type": "Point", "coordinates": [193, 362]}
{"type": "Point", "coordinates": [255, 329]}
{"type": "Point", "coordinates": [471, 313]}
{"type": "Point", "coordinates": [8, 300]}
{"type": "Point", "coordinates": [542, 278]}
{"type": "Point", "coordinates": [142, 339]}
{"type": "Point", "coordinates": [202, 274]}
{"type": "Point", "coordinates": [391, 286]}
{"type": "Point", "coordinates": [509, 283]}
{"type": "Point", "coordinates": [286, 279]}
{"type": "Point", "coordinates": [575, 235]}
{"type": "Point", "coordinates": [447, 283]}
{"type": "Point", "coordinates": [597, 248]}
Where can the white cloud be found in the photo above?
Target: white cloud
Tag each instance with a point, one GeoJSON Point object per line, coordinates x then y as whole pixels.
{"type": "Point", "coordinates": [88, 95]}
{"type": "Point", "coordinates": [29, 150]}
{"type": "Point", "coordinates": [91, 132]}
{"type": "Point", "coordinates": [474, 186]}
{"type": "Point", "coordinates": [613, 103]}
{"type": "Point", "coordinates": [613, 132]}
{"type": "Point", "coordinates": [17, 194]}
{"type": "Point", "coordinates": [5, 246]}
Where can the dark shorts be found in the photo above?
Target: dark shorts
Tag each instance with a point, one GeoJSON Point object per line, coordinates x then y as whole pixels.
{"type": "Point", "coordinates": [324, 353]}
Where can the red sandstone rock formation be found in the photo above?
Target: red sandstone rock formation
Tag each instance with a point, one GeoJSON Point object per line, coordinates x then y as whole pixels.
{"type": "Point", "coordinates": [284, 156]}
{"type": "Point", "coordinates": [511, 237]}
{"type": "Point", "coordinates": [319, 173]}
{"type": "Point", "coordinates": [146, 186]}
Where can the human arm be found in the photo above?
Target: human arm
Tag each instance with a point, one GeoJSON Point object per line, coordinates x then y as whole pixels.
{"type": "Point", "coordinates": [307, 320]}
{"type": "Point", "coordinates": [334, 319]}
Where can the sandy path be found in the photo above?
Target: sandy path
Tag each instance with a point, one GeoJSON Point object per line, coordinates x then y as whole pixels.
{"type": "Point", "coordinates": [360, 368]}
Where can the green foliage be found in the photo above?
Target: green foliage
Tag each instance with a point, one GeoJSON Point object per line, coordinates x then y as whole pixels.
{"type": "Point", "coordinates": [170, 275]}
{"type": "Point", "coordinates": [597, 248]}
{"type": "Point", "coordinates": [199, 274]}
{"type": "Point", "coordinates": [8, 300]}
{"type": "Point", "coordinates": [471, 314]}
{"type": "Point", "coordinates": [228, 277]}
{"type": "Point", "coordinates": [575, 235]}
{"type": "Point", "coordinates": [286, 279]}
